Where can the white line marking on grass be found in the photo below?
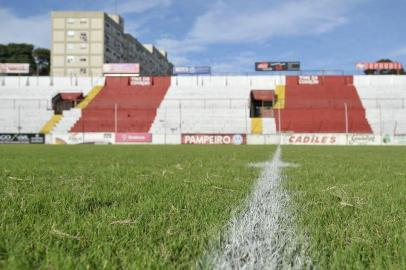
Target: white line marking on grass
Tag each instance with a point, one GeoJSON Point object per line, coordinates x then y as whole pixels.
{"type": "Point", "coordinates": [263, 236]}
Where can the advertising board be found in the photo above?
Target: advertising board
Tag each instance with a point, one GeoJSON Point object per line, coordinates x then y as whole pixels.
{"type": "Point", "coordinates": [236, 139]}
{"type": "Point", "coordinates": [133, 137]}
{"type": "Point", "coordinates": [202, 70]}
{"type": "Point", "coordinates": [9, 68]}
{"type": "Point", "coordinates": [141, 81]}
{"type": "Point", "coordinates": [15, 138]}
{"type": "Point", "coordinates": [313, 139]}
{"type": "Point", "coordinates": [309, 80]}
{"type": "Point", "coordinates": [380, 66]}
{"type": "Point", "coordinates": [121, 68]}
{"type": "Point", "coordinates": [363, 139]}
{"type": "Point", "coordinates": [83, 138]}
{"type": "Point", "coordinates": [277, 66]}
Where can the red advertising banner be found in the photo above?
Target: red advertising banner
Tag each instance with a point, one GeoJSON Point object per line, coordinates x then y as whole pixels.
{"type": "Point", "coordinates": [133, 137]}
{"type": "Point", "coordinates": [121, 68]}
{"type": "Point", "coordinates": [380, 66]}
{"type": "Point", "coordinates": [236, 139]}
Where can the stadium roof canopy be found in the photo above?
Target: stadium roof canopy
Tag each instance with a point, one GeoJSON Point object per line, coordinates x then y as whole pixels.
{"type": "Point", "coordinates": [264, 95]}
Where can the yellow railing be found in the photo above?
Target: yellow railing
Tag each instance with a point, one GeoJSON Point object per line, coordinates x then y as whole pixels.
{"type": "Point", "coordinates": [92, 94]}
{"type": "Point", "coordinates": [47, 128]}
{"type": "Point", "coordinates": [256, 125]}
{"type": "Point", "coordinates": [280, 93]}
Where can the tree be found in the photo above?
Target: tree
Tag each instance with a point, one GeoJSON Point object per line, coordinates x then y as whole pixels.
{"type": "Point", "coordinates": [383, 71]}
{"type": "Point", "coordinates": [25, 53]}
{"type": "Point", "coordinates": [42, 59]}
{"type": "Point", "coordinates": [20, 53]}
{"type": "Point", "coordinates": [3, 53]}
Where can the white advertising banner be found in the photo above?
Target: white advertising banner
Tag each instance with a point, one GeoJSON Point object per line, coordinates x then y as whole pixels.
{"type": "Point", "coordinates": [314, 139]}
{"type": "Point", "coordinates": [263, 139]}
{"type": "Point", "coordinates": [363, 139]}
{"type": "Point", "coordinates": [10, 68]}
{"type": "Point", "coordinates": [309, 80]}
{"type": "Point", "coordinates": [121, 68]}
{"type": "Point", "coordinates": [82, 138]}
{"type": "Point", "coordinates": [332, 139]}
{"type": "Point", "coordinates": [141, 81]}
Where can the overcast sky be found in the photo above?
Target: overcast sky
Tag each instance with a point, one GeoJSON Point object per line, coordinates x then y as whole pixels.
{"type": "Point", "coordinates": [231, 35]}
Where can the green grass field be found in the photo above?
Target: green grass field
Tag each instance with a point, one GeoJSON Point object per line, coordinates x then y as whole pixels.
{"type": "Point", "coordinates": [162, 207]}
{"type": "Point", "coordinates": [351, 203]}
{"type": "Point", "coordinates": [108, 207]}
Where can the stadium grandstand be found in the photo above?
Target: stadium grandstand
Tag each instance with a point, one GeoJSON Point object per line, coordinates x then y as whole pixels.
{"type": "Point", "coordinates": [165, 109]}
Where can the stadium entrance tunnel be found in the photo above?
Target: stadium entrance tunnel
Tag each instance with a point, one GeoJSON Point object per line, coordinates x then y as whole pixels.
{"type": "Point", "coordinates": [261, 103]}
{"type": "Point", "coordinates": [66, 101]}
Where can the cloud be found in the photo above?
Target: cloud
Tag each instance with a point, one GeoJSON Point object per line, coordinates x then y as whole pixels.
{"type": "Point", "coordinates": [185, 46]}
{"type": "Point", "coordinates": [136, 6]}
{"type": "Point", "coordinates": [236, 22]}
{"type": "Point", "coordinates": [227, 23]}
{"type": "Point", "coordinates": [236, 63]}
{"type": "Point", "coordinates": [399, 52]}
{"type": "Point", "coordinates": [33, 29]}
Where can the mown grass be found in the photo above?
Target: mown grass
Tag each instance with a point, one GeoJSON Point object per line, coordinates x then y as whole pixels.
{"type": "Point", "coordinates": [112, 207]}
{"type": "Point", "coordinates": [351, 203]}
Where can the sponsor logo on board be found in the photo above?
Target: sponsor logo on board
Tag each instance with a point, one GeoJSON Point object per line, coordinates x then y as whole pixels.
{"type": "Point", "coordinates": [362, 139]}
{"type": "Point", "coordinates": [19, 138]}
{"type": "Point", "coordinates": [141, 81]}
{"type": "Point", "coordinates": [309, 80]}
{"type": "Point", "coordinates": [14, 68]}
{"type": "Point", "coordinates": [133, 137]}
{"type": "Point", "coordinates": [236, 139]}
{"type": "Point", "coordinates": [312, 139]}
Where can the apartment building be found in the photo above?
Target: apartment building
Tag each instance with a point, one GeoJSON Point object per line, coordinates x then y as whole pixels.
{"type": "Point", "coordinates": [83, 41]}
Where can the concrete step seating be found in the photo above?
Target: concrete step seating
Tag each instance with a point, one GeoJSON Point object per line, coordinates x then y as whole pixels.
{"type": "Point", "coordinates": [31, 98]}
{"type": "Point", "coordinates": [384, 99]}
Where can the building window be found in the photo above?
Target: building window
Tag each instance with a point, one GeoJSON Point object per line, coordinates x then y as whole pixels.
{"type": "Point", "coordinates": [83, 21]}
{"type": "Point", "coordinates": [70, 59]}
{"type": "Point", "coordinates": [83, 59]}
{"type": "Point", "coordinates": [71, 33]}
{"type": "Point", "coordinates": [71, 21]}
{"type": "Point", "coordinates": [83, 36]}
{"type": "Point", "coordinates": [83, 71]}
{"type": "Point", "coordinates": [83, 46]}
{"type": "Point", "coordinates": [107, 25]}
{"type": "Point", "coordinates": [70, 46]}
